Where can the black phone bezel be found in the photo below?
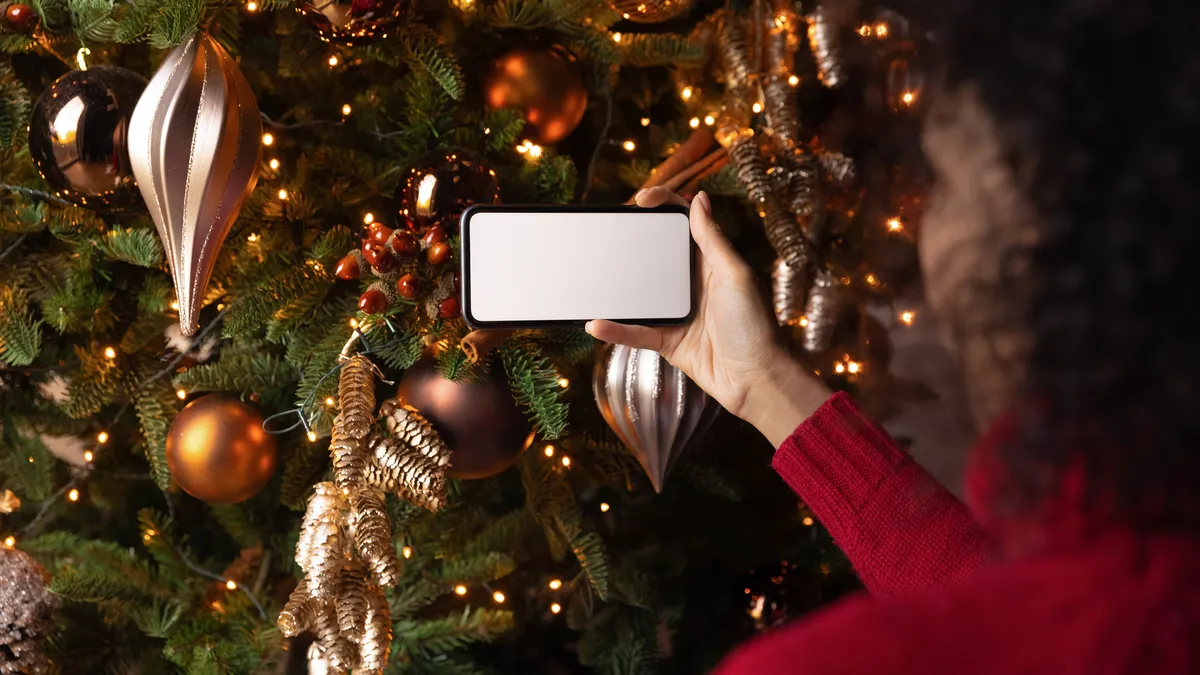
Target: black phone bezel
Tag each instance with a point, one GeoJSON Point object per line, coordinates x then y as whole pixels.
{"type": "Point", "coordinates": [465, 255]}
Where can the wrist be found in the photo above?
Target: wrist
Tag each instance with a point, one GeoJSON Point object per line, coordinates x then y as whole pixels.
{"type": "Point", "coordinates": [787, 394]}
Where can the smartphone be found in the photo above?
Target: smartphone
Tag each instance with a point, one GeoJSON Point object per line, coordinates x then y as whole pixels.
{"type": "Point", "coordinates": [543, 266]}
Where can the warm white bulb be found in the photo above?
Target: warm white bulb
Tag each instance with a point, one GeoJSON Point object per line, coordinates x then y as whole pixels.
{"type": "Point", "coordinates": [555, 608]}
{"type": "Point", "coordinates": [793, 80]}
{"type": "Point", "coordinates": [102, 437]}
{"type": "Point", "coordinates": [549, 451]}
{"type": "Point", "coordinates": [629, 146]}
{"type": "Point", "coordinates": [175, 305]}
{"type": "Point", "coordinates": [709, 120]}
{"type": "Point", "coordinates": [268, 139]}
{"type": "Point", "coordinates": [685, 93]}
{"type": "Point", "coordinates": [73, 495]}
{"type": "Point", "coordinates": [346, 109]}
{"type": "Point", "coordinates": [694, 122]}
{"type": "Point", "coordinates": [368, 218]}
{"type": "Point", "coordinates": [251, 6]}
{"type": "Point", "coordinates": [312, 436]}
{"type": "Point", "coordinates": [110, 353]}
{"type": "Point", "coordinates": [11, 541]}
{"type": "Point", "coordinates": [616, 37]}
{"type": "Point", "coordinates": [282, 194]}
{"type": "Point", "coordinates": [498, 597]}
{"type": "Point", "coordinates": [807, 520]}
{"type": "Point", "coordinates": [555, 584]}
{"type": "Point", "coordinates": [604, 507]}
{"type": "Point", "coordinates": [329, 401]}
{"type": "Point", "coordinates": [895, 224]}
{"type": "Point", "coordinates": [88, 456]}
{"type": "Point", "coordinates": [645, 121]}
{"type": "Point", "coordinates": [564, 382]}
{"type": "Point", "coordinates": [407, 552]}
{"type": "Point", "coordinates": [180, 394]}
{"type": "Point", "coordinates": [460, 590]}
{"type": "Point", "coordinates": [274, 164]}
{"type": "Point", "coordinates": [231, 585]}
{"type": "Point", "coordinates": [333, 61]}
{"type": "Point", "coordinates": [757, 107]}
{"type": "Point", "coordinates": [566, 461]}
{"type": "Point", "coordinates": [907, 317]}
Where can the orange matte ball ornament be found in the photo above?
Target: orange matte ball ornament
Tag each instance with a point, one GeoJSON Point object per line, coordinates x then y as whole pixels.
{"type": "Point", "coordinates": [218, 452]}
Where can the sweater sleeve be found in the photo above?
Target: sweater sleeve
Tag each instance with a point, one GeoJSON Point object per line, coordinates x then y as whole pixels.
{"type": "Point", "coordinates": [899, 527]}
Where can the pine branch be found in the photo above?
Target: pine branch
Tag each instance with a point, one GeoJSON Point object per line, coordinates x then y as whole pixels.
{"type": "Point", "coordinates": [589, 551]}
{"type": "Point", "coordinates": [176, 21]}
{"type": "Point", "coordinates": [238, 522]}
{"type": "Point", "coordinates": [242, 371]}
{"type": "Point", "coordinates": [504, 127]}
{"type": "Point", "coordinates": [660, 49]}
{"type": "Point", "coordinates": [534, 383]}
{"type": "Point", "coordinates": [401, 352]}
{"type": "Point", "coordinates": [20, 331]}
{"type": "Point", "coordinates": [14, 106]}
{"type": "Point", "coordinates": [92, 20]}
{"type": "Point", "coordinates": [477, 569]}
{"type": "Point", "coordinates": [27, 464]}
{"type": "Point", "coordinates": [138, 246]}
{"type": "Point", "coordinates": [256, 307]}
{"type": "Point", "coordinates": [416, 596]}
{"type": "Point", "coordinates": [157, 618]}
{"type": "Point", "coordinates": [153, 416]}
{"type": "Point", "coordinates": [439, 636]}
{"type": "Point", "coordinates": [425, 49]}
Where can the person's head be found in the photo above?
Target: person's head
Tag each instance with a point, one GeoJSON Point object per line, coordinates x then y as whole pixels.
{"type": "Point", "coordinates": [1061, 244]}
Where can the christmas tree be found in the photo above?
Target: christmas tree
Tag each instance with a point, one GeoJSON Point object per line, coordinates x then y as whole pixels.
{"type": "Point", "coordinates": [245, 429]}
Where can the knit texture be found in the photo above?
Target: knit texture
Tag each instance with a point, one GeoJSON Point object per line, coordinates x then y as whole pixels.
{"type": "Point", "coordinates": [899, 527]}
{"type": "Point", "coordinates": [1111, 603]}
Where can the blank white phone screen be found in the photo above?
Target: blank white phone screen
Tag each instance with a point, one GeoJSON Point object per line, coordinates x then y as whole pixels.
{"type": "Point", "coordinates": [577, 266]}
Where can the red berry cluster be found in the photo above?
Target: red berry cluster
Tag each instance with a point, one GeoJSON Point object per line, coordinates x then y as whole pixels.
{"type": "Point", "coordinates": [395, 256]}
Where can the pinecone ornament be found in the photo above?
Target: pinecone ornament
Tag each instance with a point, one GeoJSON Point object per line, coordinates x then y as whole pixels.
{"type": "Point", "coordinates": [26, 614]}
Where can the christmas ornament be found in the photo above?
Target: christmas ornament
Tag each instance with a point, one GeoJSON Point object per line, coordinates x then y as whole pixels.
{"type": "Point", "coordinates": [650, 11]}
{"type": "Point", "coordinates": [823, 311]}
{"type": "Point", "coordinates": [373, 301]}
{"type": "Point", "coordinates": [354, 22]}
{"type": "Point", "coordinates": [407, 286]}
{"type": "Point", "coordinates": [26, 614]}
{"type": "Point", "coordinates": [654, 408]}
{"type": "Point", "coordinates": [337, 599]}
{"type": "Point", "coordinates": [218, 452]}
{"type": "Point", "coordinates": [545, 85]}
{"type": "Point", "coordinates": [349, 267]}
{"type": "Point", "coordinates": [194, 144]}
{"type": "Point", "coordinates": [77, 136]}
{"type": "Point", "coordinates": [442, 189]}
{"type": "Point", "coordinates": [20, 17]}
{"type": "Point", "coordinates": [788, 291]}
{"type": "Point", "coordinates": [478, 420]}
{"type": "Point", "coordinates": [825, 38]}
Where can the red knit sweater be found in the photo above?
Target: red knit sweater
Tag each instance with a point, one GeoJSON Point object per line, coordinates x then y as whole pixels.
{"type": "Point", "coordinates": [1066, 597]}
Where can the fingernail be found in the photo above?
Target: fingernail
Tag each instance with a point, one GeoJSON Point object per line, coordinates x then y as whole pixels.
{"type": "Point", "coordinates": [705, 204]}
{"type": "Point", "coordinates": [639, 194]}
{"type": "Point", "coordinates": [589, 327]}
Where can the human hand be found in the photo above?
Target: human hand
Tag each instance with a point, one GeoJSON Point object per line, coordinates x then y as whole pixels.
{"type": "Point", "coordinates": [731, 348]}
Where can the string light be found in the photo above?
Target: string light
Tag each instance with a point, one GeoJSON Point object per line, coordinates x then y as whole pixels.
{"type": "Point", "coordinates": [894, 224]}
{"type": "Point", "coordinates": [368, 218]}
{"type": "Point", "coordinates": [73, 495]}
{"type": "Point", "coordinates": [110, 353]}
{"type": "Point", "coordinates": [629, 146]}
{"type": "Point", "coordinates": [346, 109]}
{"type": "Point", "coordinates": [645, 121]}
{"type": "Point", "coordinates": [353, 322]}
{"type": "Point", "coordinates": [793, 80]}
{"type": "Point", "coordinates": [616, 37]}
{"type": "Point", "coordinates": [498, 597]}
{"type": "Point", "coordinates": [803, 321]}
{"type": "Point", "coordinates": [282, 194]}
{"type": "Point", "coordinates": [872, 280]}
{"type": "Point", "coordinates": [853, 367]}
{"type": "Point", "coordinates": [530, 149]}
{"type": "Point", "coordinates": [907, 317]}
{"type": "Point", "coordinates": [268, 139]}
{"type": "Point", "coordinates": [102, 437]}
{"type": "Point", "coordinates": [231, 585]}
{"type": "Point", "coordinates": [839, 368]}
{"type": "Point", "coordinates": [10, 541]}
{"type": "Point", "coordinates": [333, 61]}
{"type": "Point", "coordinates": [808, 521]}
{"type": "Point", "coordinates": [251, 6]}
{"type": "Point", "coordinates": [566, 461]}
{"type": "Point", "coordinates": [181, 394]}
{"type": "Point", "coordinates": [487, 130]}
{"type": "Point", "coordinates": [604, 507]}
{"type": "Point", "coordinates": [460, 590]}
{"type": "Point", "coordinates": [564, 382]}
{"type": "Point", "coordinates": [549, 450]}
{"type": "Point", "coordinates": [555, 608]}
{"type": "Point", "coordinates": [864, 30]}
{"type": "Point", "coordinates": [406, 552]}
{"type": "Point", "coordinates": [252, 237]}
{"type": "Point", "coordinates": [79, 60]}
{"type": "Point", "coordinates": [881, 30]}
{"type": "Point", "coordinates": [312, 436]}
{"type": "Point", "coordinates": [220, 306]}
{"type": "Point", "coordinates": [908, 97]}
{"type": "Point", "coordinates": [175, 305]}
{"type": "Point", "coordinates": [709, 119]}
{"type": "Point", "coordinates": [694, 122]}
{"type": "Point", "coordinates": [149, 534]}
{"type": "Point", "coordinates": [329, 401]}
{"type": "Point", "coordinates": [88, 456]}
{"type": "Point", "coordinates": [757, 107]}
{"type": "Point", "coordinates": [555, 584]}
{"type": "Point", "coordinates": [685, 93]}
{"type": "Point", "coordinates": [274, 164]}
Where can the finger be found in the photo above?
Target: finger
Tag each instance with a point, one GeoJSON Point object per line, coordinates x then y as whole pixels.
{"type": "Point", "coordinates": [638, 337]}
{"type": "Point", "coordinates": [657, 196]}
{"type": "Point", "coordinates": [709, 237]}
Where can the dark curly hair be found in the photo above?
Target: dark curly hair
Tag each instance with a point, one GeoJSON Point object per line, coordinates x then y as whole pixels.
{"type": "Point", "coordinates": [1097, 105]}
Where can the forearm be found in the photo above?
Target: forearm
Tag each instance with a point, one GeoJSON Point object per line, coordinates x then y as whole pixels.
{"type": "Point", "coordinates": [787, 394]}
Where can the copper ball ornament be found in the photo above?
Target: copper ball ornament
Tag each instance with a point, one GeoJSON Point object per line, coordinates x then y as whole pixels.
{"type": "Point", "coordinates": [77, 137]}
{"type": "Point", "coordinates": [354, 22]}
{"type": "Point", "coordinates": [218, 452]}
{"type": "Point", "coordinates": [545, 85]}
{"type": "Point", "coordinates": [479, 420]}
{"type": "Point", "coordinates": [441, 189]}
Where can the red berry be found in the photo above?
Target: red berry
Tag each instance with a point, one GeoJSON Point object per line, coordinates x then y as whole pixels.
{"type": "Point", "coordinates": [20, 17]}
{"type": "Point", "coordinates": [434, 235]}
{"type": "Point", "coordinates": [378, 256]}
{"type": "Point", "coordinates": [380, 233]}
{"type": "Point", "coordinates": [405, 243]}
{"type": "Point", "coordinates": [347, 268]}
{"type": "Point", "coordinates": [373, 301]}
{"type": "Point", "coordinates": [438, 254]}
{"type": "Point", "coordinates": [449, 309]}
{"type": "Point", "coordinates": [407, 286]}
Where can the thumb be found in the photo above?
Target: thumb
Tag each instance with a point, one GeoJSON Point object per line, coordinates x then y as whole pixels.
{"type": "Point", "coordinates": [638, 337]}
{"type": "Point", "coordinates": [708, 235]}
